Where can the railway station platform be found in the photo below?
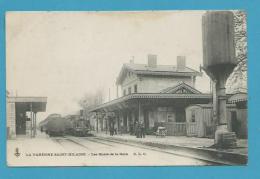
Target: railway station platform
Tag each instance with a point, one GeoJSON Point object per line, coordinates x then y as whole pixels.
{"type": "Point", "coordinates": [41, 140]}
{"type": "Point", "coordinates": [201, 147]}
{"type": "Point", "coordinates": [194, 142]}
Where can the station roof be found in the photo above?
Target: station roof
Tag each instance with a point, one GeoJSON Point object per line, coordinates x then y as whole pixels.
{"type": "Point", "coordinates": [238, 97]}
{"type": "Point", "coordinates": [159, 70]}
{"type": "Point", "coordinates": [210, 105]}
{"type": "Point", "coordinates": [152, 96]}
{"type": "Point", "coordinates": [23, 102]}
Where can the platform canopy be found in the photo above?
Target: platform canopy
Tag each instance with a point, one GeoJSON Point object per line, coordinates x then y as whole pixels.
{"type": "Point", "coordinates": [180, 95]}
{"type": "Point", "coordinates": [36, 104]}
{"type": "Point", "coordinates": [152, 99]}
{"type": "Point", "coordinates": [239, 97]}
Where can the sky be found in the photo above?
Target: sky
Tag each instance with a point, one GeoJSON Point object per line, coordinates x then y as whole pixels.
{"type": "Point", "coordinates": [64, 55]}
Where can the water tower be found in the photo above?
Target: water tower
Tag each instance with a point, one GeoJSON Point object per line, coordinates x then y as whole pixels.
{"type": "Point", "coordinates": [219, 61]}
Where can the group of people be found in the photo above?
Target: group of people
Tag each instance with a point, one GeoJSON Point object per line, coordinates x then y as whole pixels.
{"type": "Point", "coordinates": [137, 129]}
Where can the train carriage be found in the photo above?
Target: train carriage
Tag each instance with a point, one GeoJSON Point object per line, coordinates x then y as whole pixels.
{"type": "Point", "coordinates": [55, 125]}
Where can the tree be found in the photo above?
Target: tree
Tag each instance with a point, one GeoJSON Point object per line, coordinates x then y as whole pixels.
{"type": "Point", "coordinates": [237, 81]}
{"type": "Point", "coordinates": [91, 100]}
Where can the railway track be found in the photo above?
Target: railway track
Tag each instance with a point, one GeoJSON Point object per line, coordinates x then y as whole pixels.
{"type": "Point", "coordinates": [62, 141]}
{"type": "Point", "coordinates": [107, 141]}
{"type": "Point", "coordinates": [86, 144]}
{"type": "Point", "coordinates": [171, 152]}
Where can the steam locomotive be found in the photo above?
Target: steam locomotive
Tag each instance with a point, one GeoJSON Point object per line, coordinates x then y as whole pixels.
{"type": "Point", "coordinates": [55, 125]}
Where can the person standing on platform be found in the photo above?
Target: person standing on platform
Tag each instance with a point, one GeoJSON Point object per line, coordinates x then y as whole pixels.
{"type": "Point", "coordinates": [142, 129]}
{"type": "Point", "coordinates": [138, 130]}
{"type": "Point", "coordinates": [111, 126]}
{"type": "Point", "coordinates": [131, 128]}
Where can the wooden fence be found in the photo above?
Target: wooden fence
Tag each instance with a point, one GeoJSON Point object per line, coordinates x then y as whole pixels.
{"type": "Point", "coordinates": [176, 128]}
{"type": "Point", "coordinates": [181, 128]}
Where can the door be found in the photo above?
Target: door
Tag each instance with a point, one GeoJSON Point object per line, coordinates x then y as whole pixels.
{"type": "Point", "coordinates": [234, 122]}
{"type": "Point", "coordinates": [180, 115]}
{"type": "Point", "coordinates": [170, 117]}
{"type": "Point", "coordinates": [191, 124]}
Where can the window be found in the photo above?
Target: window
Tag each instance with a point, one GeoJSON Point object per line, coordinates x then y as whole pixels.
{"type": "Point", "coordinates": [135, 88]}
{"type": "Point", "coordinates": [129, 90]}
{"type": "Point", "coordinates": [170, 117]}
{"type": "Point", "coordinates": [124, 92]}
{"type": "Point", "coordinates": [193, 116]}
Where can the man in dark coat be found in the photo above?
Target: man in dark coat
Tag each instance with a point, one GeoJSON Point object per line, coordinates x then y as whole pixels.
{"type": "Point", "coordinates": [139, 130]}
{"type": "Point", "coordinates": [111, 126]}
{"type": "Point", "coordinates": [131, 128]}
{"type": "Point", "coordinates": [142, 129]}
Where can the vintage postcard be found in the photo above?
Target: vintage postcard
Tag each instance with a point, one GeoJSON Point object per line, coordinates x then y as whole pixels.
{"type": "Point", "coordinates": [126, 88]}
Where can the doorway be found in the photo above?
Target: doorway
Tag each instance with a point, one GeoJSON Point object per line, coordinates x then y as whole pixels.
{"type": "Point", "coordinates": [235, 125]}
{"type": "Point", "coordinates": [20, 123]}
{"type": "Point", "coordinates": [180, 115]}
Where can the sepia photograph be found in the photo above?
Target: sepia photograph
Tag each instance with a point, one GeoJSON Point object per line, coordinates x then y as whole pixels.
{"type": "Point", "coordinates": [126, 88]}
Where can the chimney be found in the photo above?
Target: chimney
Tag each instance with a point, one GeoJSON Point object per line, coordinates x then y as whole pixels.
{"type": "Point", "coordinates": [181, 63]}
{"type": "Point", "coordinates": [152, 61]}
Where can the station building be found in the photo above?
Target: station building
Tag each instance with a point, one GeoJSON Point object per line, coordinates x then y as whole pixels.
{"type": "Point", "coordinates": [21, 114]}
{"type": "Point", "coordinates": [159, 95]}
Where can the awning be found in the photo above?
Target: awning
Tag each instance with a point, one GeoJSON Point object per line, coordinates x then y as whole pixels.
{"type": "Point", "coordinates": [37, 104]}
{"type": "Point", "coordinates": [239, 97]}
{"type": "Point", "coordinates": [155, 96]}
